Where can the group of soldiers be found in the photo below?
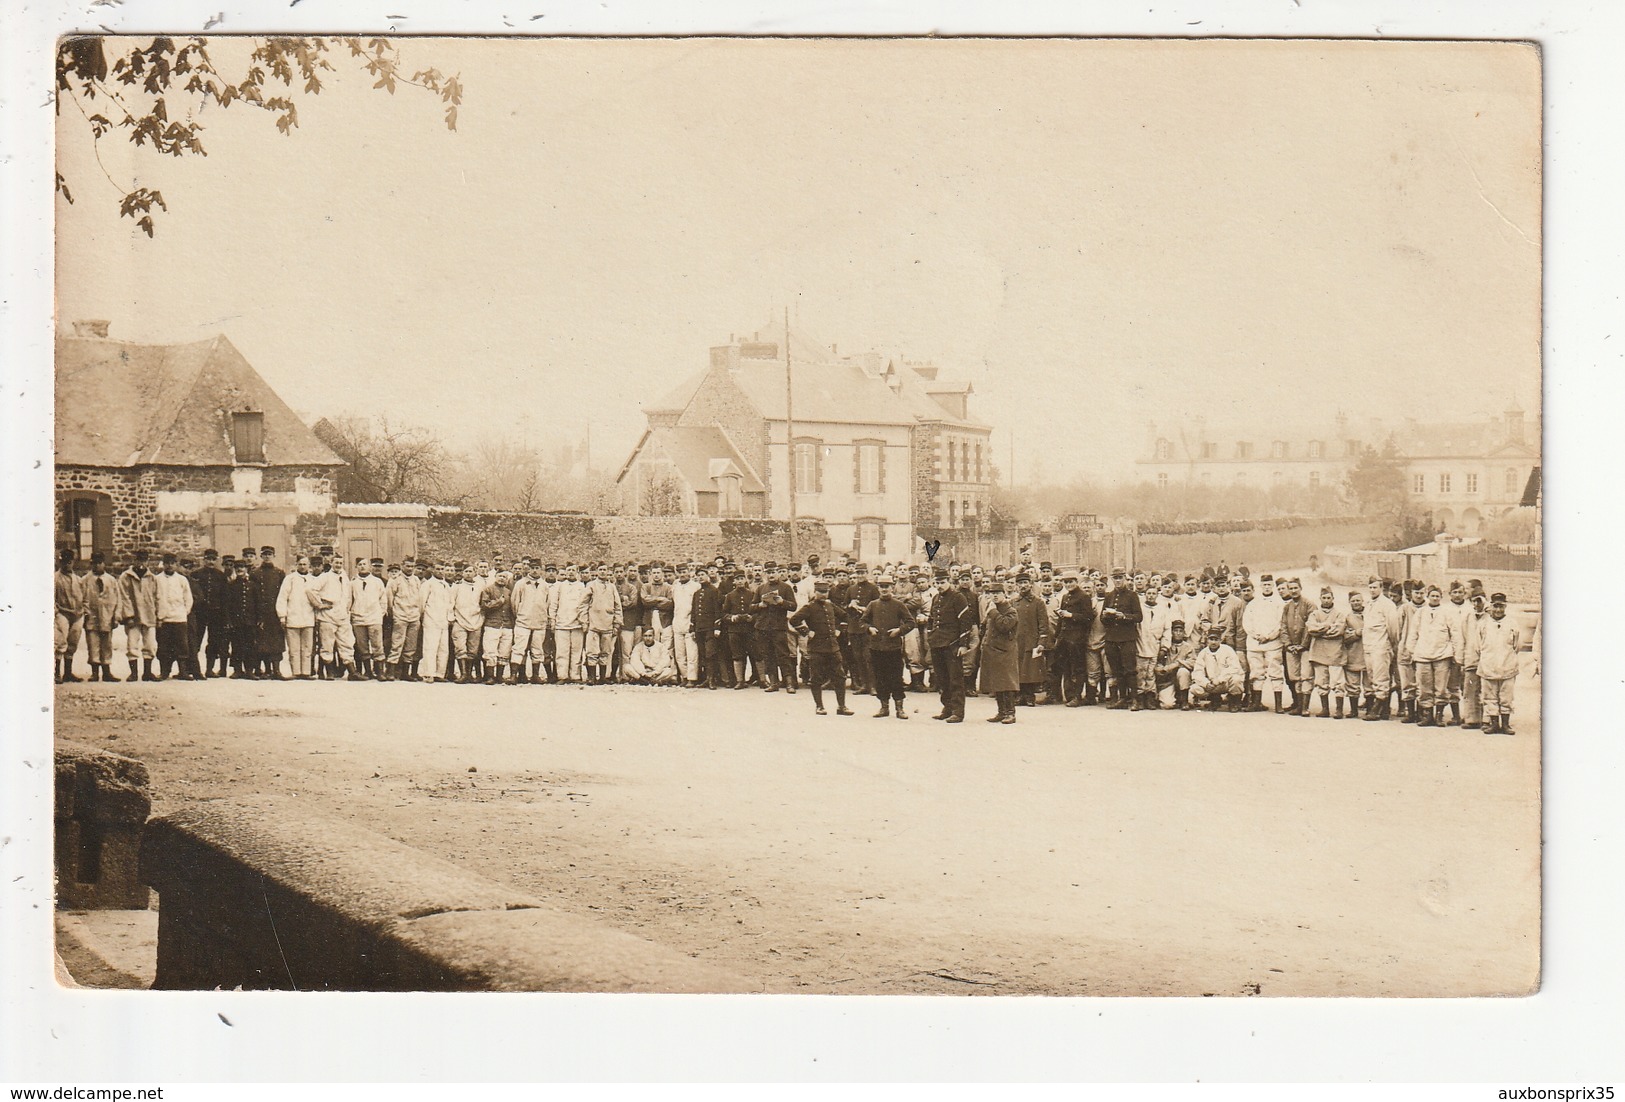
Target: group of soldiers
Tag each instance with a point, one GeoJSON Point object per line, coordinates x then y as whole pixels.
{"type": "Point", "coordinates": [1023, 635]}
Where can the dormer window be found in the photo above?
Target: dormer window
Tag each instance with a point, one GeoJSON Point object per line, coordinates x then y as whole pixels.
{"type": "Point", "coordinates": [248, 438]}
{"type": "Point", "coordinates": [1165, 449]}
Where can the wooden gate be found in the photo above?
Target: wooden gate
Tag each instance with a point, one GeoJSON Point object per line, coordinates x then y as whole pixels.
{"type": "Point", "coordinates": [393, 539]}
{"type": "Point", "coordinates": [235, 529]}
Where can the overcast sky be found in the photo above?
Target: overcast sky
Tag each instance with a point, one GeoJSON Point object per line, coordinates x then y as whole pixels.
{"type": "Point", "coordinates": [1097, 234]}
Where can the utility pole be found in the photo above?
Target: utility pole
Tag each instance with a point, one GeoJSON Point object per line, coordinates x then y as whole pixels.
{"type": "Point", "coordinates": [790, 439]}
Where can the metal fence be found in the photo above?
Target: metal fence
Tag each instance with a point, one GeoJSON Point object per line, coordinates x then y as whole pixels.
{"type": "Point", "coordinates": [1492, 556]}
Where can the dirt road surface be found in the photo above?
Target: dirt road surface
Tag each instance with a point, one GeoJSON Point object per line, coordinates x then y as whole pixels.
{"type": "Point", "coordinates": [1078, 852]}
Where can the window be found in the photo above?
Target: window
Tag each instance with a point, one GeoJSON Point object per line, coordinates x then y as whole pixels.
{"type": "Point", "coordinates": [1162, 480]}
{"type": "Point", "coordinates": [978, 462]}
{"type": "Point", "coordinates": [86, 524]}
{"type": "Point", "coordinates": [1244, 449]}
{"type": "Point", "coordinates": [248, 437]}
{"type": "Point", "coordinates": [952, 455]}
{"type": "Point", "coordinates": [1165, 449]}
{"type": "Point", "coordinates": [869, 539]}
{"type": "Point", "coordinates": [964, 461]}
{"type": "Point", "coordinates": [1511, 486]}
{"type": "Point", "coordinates": [1419, 483]}
{"type": "Point", "coordinates": [868, 467]}
{"type": "Point", "coordinates": [1210, 450]}
{"type": "Point", "coordinates": [1353, 447]}
{"type": "Point", "coordinates": [1314, 480]}
{"type": "Point", "coordinates": [1444, 482]}
{"type": "Point", "coordinates": [1278, 449]}
{"type": "Point", "coordinates": [1472, 483]}
{"type": "Point", "coordinates": [1316, 449]}
{"type": "Point", "coordinates": [809, 466]}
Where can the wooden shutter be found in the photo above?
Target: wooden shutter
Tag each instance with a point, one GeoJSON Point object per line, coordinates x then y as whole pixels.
{"type": "Point", "coordinates": [102, 526]}
{"type": "Point", "coordinates": [818, 466]}
{"type": "Point", "coordinates": [857, 468]}
{"type": "Point", "coordinates": [880, 476]}
{"type": "Point", "coordinates": [880, 539]}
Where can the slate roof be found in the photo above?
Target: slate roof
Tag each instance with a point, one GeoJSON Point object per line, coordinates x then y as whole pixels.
{"type": "Point", "coordinates": [827, 387]}
{"type": "Point", "coordinates": [120, 404]}
{"type": "Point", "coordinates": [693, 449]}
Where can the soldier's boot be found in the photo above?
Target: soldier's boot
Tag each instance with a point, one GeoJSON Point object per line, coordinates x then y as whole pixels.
{"type": "Point", "coordinates": [490, 673]}
{"type": "Point", "coordinates": [739, 675]}
{"type": "Point", "coordinates": [885, 710]}
{"type": "Point", "coordinates": [899, 709]}
{"type": "Point", "coordinates": [1455, 713]}
{"type": "Point", "coordinates": [1182, 699]}
{"type": "Point", "coordinates": [1235, 702]}
{"type": "Point", "coordinates": [1339, 706]}
{"type": "Point", "coordinates": [1325, 708]}
{"type": "Point", "coordinates": [1427, 716]}
{"type": "Point", "coordinates": [146, 670]}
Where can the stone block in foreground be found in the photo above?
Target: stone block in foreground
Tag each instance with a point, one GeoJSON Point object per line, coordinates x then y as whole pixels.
{"type": "Point", "coordinates": [263, 895]}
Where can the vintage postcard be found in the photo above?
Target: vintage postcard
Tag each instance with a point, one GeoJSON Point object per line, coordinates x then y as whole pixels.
{"type": "Point", "coordinates": [824, 516]}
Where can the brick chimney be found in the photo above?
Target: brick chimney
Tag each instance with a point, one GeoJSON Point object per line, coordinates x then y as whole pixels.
{"type": "Point", "coordinates": [91, 327]}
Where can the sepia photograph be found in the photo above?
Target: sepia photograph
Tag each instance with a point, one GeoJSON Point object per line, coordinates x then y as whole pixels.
{"type": "Point", "coordinates": [798, 516]}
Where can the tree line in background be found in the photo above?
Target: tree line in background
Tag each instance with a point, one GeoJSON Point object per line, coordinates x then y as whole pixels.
{"type": "Point", "coordinates": [391, 462]}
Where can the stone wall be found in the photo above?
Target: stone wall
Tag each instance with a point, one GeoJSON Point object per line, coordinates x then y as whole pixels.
{"type": "Point", "coordinates": [133, 512]}
{"type": "Point", "coordinates": [170, 508]}
{"type": "Point", "coordinates": [565, 538]}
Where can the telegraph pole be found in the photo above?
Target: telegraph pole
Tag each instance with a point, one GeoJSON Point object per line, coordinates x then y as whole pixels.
{"type": "Point", "coordinates": [790, 439]}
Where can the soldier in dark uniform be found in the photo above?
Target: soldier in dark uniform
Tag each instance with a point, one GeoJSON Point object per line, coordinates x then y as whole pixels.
{"type": "Point", "coordinates": [1076, 615]}
{"type": "Point", "coordinates": [241, 619]}
{"type": "Point", "coordinates": [774, 604]}
{"type": "Point", "coordinates": [821, 622]}
{"type": "Point", "coordinates": [859, 595]}
{"type": "Point", "coordinates": [269, 636]}
{"type": "Point", "coordinates": [948, 632]}
{"type": "Point", "coordinates": [886, 621]}
{"type": "Point", "coordinates": [1034, 638]}
{"type": "Point", "coordinates": [1121, 611]}
{"type": "Point", "coordinates": [736, 626]}
{"type": "Point", "coordinates": [707, 620]}
{"type": "Point", "coordinates": [209, 614]}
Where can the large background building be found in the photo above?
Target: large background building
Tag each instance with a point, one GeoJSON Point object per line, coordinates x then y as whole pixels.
{"type": "Point", "coordinates": [881, 449]}
{"type": "Point", "coordinates": [1462, 473]}
{"type": "Point", "coordinates": [179, 447]}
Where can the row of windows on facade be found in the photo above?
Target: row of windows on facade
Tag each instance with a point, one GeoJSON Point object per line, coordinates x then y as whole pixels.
{"type": "Point", "coordinates": [1511, 482]}
{"type": "Point", "coordinates": [1244, 449]}
{"type": "Point", "coordinates": [869, 465]}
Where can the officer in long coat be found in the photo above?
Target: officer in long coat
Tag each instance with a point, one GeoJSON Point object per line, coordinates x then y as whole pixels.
{"type": "Point", "coordinates": [1001, 660]}
{"type": "Point", "coordinates": [1035, 637]}
{"type": "Point", "coordinates": [269, 636]}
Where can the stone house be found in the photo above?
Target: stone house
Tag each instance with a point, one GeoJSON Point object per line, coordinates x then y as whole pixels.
{"type": "Point", "coordinates": [882, 451]}
{"type": "Point", "coordinates": [180, 447]}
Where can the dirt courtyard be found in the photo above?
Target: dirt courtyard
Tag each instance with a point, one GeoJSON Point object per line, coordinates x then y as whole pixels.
{"type": "Point", "coordinates": [1079, 852]}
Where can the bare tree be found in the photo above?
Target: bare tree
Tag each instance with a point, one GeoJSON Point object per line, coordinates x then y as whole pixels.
{"type": "Point", "coordinates": [662, 495]}
{"type": "Point", "coordinates": [387, 462]}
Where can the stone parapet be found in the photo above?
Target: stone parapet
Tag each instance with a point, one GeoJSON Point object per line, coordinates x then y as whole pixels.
{"type": "Point", "coordinates": [259, 895]}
